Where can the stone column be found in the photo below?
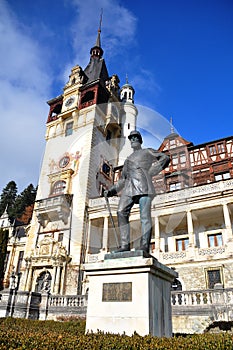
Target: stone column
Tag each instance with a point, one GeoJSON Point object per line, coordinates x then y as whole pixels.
{"type": "Point", "coordinates": [157, 237]}
{"type": "Point", "coordinates": [227, 220]}
{"type": "Point", "coordinates": [29, 279]}
{"type": "Point", "coordinates": [53, 278]}
{"type": "Point", "coordinates": [63, 277]}
{"type": "Point", "coordinates": [190, 229]}
{"type": "Point", "coordinates": [89, 236]}
{"type": "Point", "coordinates": [105, 234]}
{"type": "Point", "coordinates": [57, 280]}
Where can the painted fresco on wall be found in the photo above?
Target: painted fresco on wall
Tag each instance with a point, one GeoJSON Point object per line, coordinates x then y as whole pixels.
{"type": "Point", "coordinates": [66, 161]}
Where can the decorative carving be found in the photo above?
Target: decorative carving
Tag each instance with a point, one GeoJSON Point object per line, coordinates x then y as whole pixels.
{"type": "Point", "coordinates": [77, 76]}
{"type": "Point", "coordinates": [175, 255]}
{"type": "Point", "coordinates": [50, 251]}
{"type": "Point", "coordinates": [212, 251]}
{"type": "Point", "coordinates": [113, 84]}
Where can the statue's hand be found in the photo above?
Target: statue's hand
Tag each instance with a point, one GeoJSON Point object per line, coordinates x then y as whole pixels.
{"type": "Point", "coordinates": [108, 193]}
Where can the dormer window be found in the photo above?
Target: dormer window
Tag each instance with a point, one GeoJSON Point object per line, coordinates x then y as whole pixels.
{"type": "Point", "coordinates": [172, 143]}
{"type": "Point", "coordinates": [222, 176]}
{"type": "Point", "coordinates": [175, 186]}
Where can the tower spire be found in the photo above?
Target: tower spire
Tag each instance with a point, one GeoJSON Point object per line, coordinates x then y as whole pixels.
{"type": "Point", "coordinates": [171, 125]}
{"type": "Point", "coordinates": [99, 30]}
{"type": "Point", "coordinates": [97, 51]}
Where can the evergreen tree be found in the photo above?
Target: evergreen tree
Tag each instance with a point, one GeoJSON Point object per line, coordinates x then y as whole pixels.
{"type": "Point", "coordinates": [8, 197]}
{"type": "Point", "coordinates": [25, 199]}
{"type": "Point", "coordinates": [3, 250]}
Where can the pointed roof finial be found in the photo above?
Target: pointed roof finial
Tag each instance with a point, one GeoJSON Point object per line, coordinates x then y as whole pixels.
{"type": "Point", "coordinates": [101, 17]}
{"type": "Point", "coordinates": [171, 125]}
{"type": "Point", "coordinates": [126, 80]}
{"type": "Point", "coordinates": [99, 30]}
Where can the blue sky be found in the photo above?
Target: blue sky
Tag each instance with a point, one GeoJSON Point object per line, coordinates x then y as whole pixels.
{"type": "Point", "coordinates": [178, 55]}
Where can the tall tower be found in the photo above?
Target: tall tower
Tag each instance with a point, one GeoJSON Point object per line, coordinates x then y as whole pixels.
{"type": "Point", "coordinates": [128, 118]}
{"type": "Point", "coordinates": [85, 134]}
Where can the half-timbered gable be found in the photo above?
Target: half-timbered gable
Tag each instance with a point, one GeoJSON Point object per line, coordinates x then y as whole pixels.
{"type": "Point", "coordinates": [193, 165]}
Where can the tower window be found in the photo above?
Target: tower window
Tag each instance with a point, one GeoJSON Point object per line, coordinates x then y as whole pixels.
{"type": "Point", "coordinates": [69, 129]}
{"type": "Point", "coordinates": [106, 169]}
{"type": "Point", "coordinates": [59, 187]}
{"type": "Point", "coordinates": [89, 96]}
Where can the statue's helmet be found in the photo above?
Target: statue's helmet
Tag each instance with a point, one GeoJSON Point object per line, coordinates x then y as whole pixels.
{"type": "Point", "coordinates": [137, 134]}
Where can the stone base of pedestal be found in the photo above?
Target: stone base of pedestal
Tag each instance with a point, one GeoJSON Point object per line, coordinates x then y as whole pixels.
{"type": "Point", "coordinates": [19, 304]}
{"type": "Point", "coordinates": [129, 292]}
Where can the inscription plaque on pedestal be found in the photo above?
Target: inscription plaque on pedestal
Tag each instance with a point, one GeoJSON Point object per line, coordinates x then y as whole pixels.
{"type": "Point", "coordinates": [117, 291]}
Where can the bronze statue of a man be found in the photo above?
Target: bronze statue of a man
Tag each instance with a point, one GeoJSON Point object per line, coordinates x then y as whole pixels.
{"type": "Point", "coordinates": [136, 186]}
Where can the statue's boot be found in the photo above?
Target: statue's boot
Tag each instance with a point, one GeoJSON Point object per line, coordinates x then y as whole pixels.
{"type": "Point", "coordinates": [145, 242]}
{"type": "Point", "coordinates": [124, 248]}
{"type": "Point", "coordinates": [123, 223]}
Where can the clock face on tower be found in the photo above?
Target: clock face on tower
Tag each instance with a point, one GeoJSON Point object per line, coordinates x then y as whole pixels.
{"type": "Point", "coordinates": [64, 161]}
{"type": "Point", "coordinates": [69, 101]}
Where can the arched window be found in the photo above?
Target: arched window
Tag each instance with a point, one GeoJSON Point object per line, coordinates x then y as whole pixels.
{"type": "Point", "coordinates": [59, 187]}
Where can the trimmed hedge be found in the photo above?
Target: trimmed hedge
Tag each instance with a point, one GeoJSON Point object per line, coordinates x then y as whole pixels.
{"type": "Point", "coordinates": [29, 334]}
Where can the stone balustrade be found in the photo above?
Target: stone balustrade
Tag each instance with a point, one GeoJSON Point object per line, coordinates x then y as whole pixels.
{"type": "Point", "coordinates": [202, 297]}
{"type": "Point", "coordinates": [192, 192]}
{"type": "Point", "coordinates": [183, 194]}
{"type": "Point", "coordinates": [67, 301]}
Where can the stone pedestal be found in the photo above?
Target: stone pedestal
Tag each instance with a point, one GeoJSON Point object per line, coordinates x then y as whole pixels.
{"type": "Point", "coordinates": [129, 292]}
{"type": "Point", "coordinates": [44, 306]}
{"type": "Point", "coordinates": [7, 297]}
{"type": "Point", "coordinates": [19, 304]}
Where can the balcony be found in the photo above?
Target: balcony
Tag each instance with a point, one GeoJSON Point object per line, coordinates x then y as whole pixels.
{"type": "Point", "coordinates": [53, 209]}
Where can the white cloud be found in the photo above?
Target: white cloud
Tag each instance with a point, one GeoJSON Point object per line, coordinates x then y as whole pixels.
{"type": "Point", "coordinates": [26, 76]}
{"type": "Point", "coordinates": [24, 87]}
{"type": "Point", "coordinates": [118, 29]}
{"type": "Point", "coordinates": [153, 126]}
